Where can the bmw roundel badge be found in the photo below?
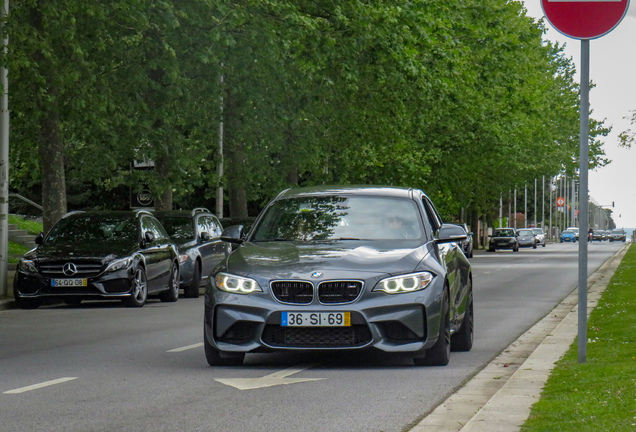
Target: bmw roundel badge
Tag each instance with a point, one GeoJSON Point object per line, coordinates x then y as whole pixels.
{"type": "Point", "coordinates": [316, 275]}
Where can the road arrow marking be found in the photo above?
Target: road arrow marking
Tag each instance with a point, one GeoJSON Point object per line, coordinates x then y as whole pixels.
{"type": "Point", "coordinates": [271, 380]}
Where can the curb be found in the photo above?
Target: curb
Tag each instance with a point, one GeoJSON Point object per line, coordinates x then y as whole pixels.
{"type": "Point", "coordinates": [500, 396]}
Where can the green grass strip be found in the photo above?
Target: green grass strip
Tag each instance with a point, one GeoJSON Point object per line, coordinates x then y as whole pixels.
{"type": "Point", "coordinates": [30, 226]}
{"type": "Point", "coordinates": [16, 250]}
{"type": "Point", "coordinates": [599, 395]}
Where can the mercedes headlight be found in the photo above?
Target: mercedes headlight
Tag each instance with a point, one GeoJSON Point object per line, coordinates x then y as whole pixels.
{"type": "Point", "coordinates": [405, 283]}
{"type": "Point", "coordinates": [27, 266]}
{"type": "Point", "coordinates": [118, 264]}
{"type": "Point", "coordinates": [236, 284]}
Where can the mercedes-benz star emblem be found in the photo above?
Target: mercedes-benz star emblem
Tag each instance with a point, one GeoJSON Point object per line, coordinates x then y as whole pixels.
{"type": "Point", "coordinates": [69, 269]}
{"type": "Point", "coordinates": [316, 275]}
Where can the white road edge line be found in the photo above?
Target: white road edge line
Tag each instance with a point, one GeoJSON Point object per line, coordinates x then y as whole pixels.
{"type": "Point", "coordinates": [41, 385]}
{"type": "Point", "coordinates": [185, 348]}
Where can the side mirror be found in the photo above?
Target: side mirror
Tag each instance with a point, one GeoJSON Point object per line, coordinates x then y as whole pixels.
{"type": "Point", "coordinates": [205, 236]}
{"type": "Point", "coordinates": [450, 234]}
{"type": "Point", "coordinates": [149, 237]}
{"type": "Point", "coordinates": [233, 234]}
{"type": "Point", "coordinates": [39, 239]}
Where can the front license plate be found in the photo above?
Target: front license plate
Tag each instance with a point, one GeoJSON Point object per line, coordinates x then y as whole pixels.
{"type": "Point", "coordinates": [316, 319]}
{"type": "Point", "coordinates": [68, 282]}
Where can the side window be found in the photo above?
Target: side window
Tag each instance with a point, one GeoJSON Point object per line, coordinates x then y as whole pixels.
{"type": "Point", "coordinates": [215, 226]}
{"type": "Point", "coordinates": [145, 226]}
{"type": "Point", "coordinates": [151, 224]}
{"type": "Point", "coordinates": [202, 225]}
{"type": "Point", "coordinates": [160, 230]}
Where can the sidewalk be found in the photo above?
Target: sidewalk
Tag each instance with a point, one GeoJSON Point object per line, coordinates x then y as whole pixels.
{"type": "Point", "coordinates": [499, 398]}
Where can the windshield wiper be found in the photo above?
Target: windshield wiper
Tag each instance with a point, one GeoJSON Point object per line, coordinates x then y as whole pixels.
{"type": "Point", "coordinates": [274, 240]}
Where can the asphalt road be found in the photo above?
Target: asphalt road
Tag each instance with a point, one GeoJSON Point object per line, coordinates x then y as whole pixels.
{"type": "Point", "coordinates": [104, 367]}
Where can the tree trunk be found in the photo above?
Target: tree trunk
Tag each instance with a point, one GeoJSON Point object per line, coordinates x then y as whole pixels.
{"type": "Point", "coordinates": [51, 145]}
{"type": "Point", "coordinates": [163, 200]}
{"type": "Point", "coordinates": [474, 226]}
{"type": "Point", "coordinates": [289, 157]}
{"type": "Point", "coordinates": [235, 169]}
{"type": "Point", "coordinates": [51, 149]}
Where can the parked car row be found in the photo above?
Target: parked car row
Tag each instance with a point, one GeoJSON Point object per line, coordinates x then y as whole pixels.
{"type": "Point", "coordinates": [511, 238]}
{"type": "Point", "coordinates": [126, 255]}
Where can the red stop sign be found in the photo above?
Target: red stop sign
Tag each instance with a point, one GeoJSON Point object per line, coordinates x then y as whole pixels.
{"type": "Point", "coordinates": [584, 19]}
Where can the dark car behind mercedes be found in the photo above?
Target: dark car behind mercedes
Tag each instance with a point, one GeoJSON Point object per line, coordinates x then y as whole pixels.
{"type": "Point", "coordinates": [124, 255]}
{"type": "Point", "coordinates": [343, 268]}
{"type": "Point", "coordinates": [197, 234]}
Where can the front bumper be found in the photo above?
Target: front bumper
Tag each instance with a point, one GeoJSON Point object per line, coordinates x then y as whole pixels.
{"type": "Point", "coordinates": [115, 284]}
{"type": "Point", "coordinates": [503, 244]}
{"type": "Point", "coordinates": [407, 322]}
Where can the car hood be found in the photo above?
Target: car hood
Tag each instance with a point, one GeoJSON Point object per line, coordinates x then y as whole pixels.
{"type": "Point", "coordinates": [281, 260]}
{"type": "Point", "coordinates": [101, 251]}
{"type": "Point", "coordinates": [526, 237]}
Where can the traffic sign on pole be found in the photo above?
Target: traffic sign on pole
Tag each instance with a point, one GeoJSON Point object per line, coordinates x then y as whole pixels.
{"type": "Point", "coordinates": [584, 19]}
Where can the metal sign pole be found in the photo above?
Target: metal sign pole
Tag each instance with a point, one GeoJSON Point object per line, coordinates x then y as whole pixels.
{"type": "Point", "coordinates": [583, 200]}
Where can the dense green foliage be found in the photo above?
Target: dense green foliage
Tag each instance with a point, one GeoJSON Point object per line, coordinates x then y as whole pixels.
{"type": "Point", "coordinates": [599, 394]}
{"type": "Point", "coordinates": [461, 98]}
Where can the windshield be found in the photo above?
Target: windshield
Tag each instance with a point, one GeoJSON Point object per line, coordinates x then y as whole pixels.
{"type": "Point", "coordinates": [337, 217]}
{"type": "Point", "coordinates": [568, 232]}
{"type": "Point", "coordinates": [93, 228]}
{"type": "Point", "coordinates": [179, 228]}
{"type": "Point", "coordinates": [504, 233]}
{"type": "Point", "coordinates": [525, 232]}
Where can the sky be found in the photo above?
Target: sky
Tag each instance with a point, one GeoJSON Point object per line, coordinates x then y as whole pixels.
{"type": "Point", "coordinates": [613, 72]}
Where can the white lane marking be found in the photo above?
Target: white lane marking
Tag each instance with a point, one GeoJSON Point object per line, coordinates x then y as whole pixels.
{"type": "Point", "coordinates": [273, 379]}
{"type": "Point", "coordinates": [41, 385]}
{"type": "Point", "coordinates": [185, 348]}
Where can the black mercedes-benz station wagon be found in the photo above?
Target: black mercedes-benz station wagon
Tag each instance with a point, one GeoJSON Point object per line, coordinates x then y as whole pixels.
{"type": "Point", "coordinates": [123, 255]}
{"type": "Point", "coordinates": [343, 268]}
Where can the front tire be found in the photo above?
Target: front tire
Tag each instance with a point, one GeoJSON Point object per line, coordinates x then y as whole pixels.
{"type": "Point", "coordinates": [139, 291]}
{"type": "Point", "coordinates": [192, 291]}
{"type": "Point", "coordinates": [439, 354]}
{"type": "Point", "coordinates": [463, 339]}
{"type": "Point", "coordinates": [172, 295]}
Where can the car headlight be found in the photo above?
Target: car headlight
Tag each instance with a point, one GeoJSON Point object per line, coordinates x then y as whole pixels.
{"type": "Point", "coordinates": [118, 264]}
{"type": "Point", "coordinates": [405, 283]}
{"type": "Point", "coordinates": [236, 284]}
{"type": "Point", "coordinates": [27, 266]}
{"type": "Point", "coordinates": [183, 258]}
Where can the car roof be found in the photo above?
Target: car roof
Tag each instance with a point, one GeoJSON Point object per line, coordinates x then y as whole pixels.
{"type": "Point", "coordinates": [182, 213]}
{"type": "Point", "coordinates": [77, 213]}
{"type": "Point", "coordinates": [389, 191]}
